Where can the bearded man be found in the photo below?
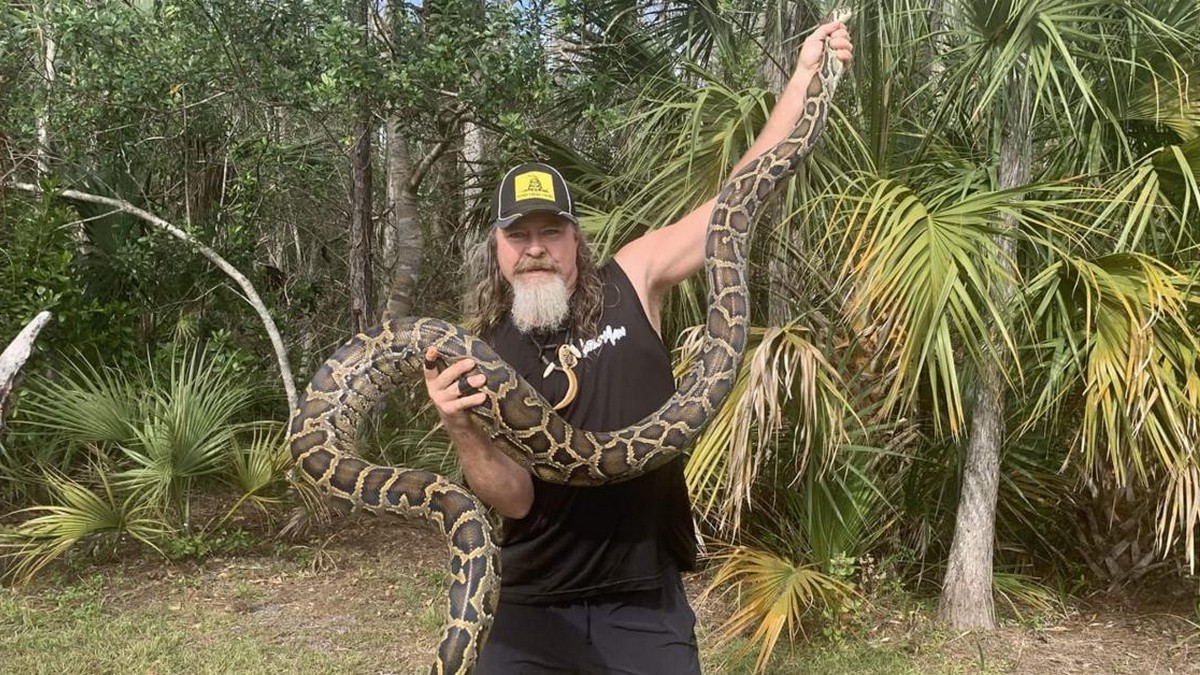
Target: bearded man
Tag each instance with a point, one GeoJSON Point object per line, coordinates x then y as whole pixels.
{"type": "Point", "coordinates": [591, 576]}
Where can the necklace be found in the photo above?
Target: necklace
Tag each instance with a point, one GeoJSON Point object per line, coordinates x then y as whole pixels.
{"type": "Point", "coordinates": [567, 356]}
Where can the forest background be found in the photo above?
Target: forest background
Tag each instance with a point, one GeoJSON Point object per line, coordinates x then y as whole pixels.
{"type": "Point", "coordinates": [975, 369]}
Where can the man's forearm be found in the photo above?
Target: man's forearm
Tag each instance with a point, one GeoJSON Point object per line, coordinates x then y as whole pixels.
{"type": "Point", "coordinates": [495, 478]}
{"type": "Point", "coordinates": [783, 117]}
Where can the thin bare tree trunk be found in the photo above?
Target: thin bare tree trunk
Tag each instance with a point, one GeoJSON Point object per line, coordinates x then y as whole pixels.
{"type": "Point", "coordinates": [50, 51]}
{"type": "Point", "coordinates": [966, 600]}
{"type": "Point", "coordinates": [285, 369]}
{"type": "Point", "coordinates": [932, 49]}
{"type": "Point", "coordinates": [13, 359]}
{"type": "Point", "coordinates": [362, 286]}
{"type": "Point", "coordinates": [472, 160]}
{"type": "Point", "coordinates": [361, 278]}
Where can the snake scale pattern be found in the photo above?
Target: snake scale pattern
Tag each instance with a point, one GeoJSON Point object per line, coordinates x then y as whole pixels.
{"type": "Point", "coordinates": [324, 424]}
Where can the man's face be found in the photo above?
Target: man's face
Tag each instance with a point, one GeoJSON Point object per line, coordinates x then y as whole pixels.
{"type": "Point", "coordinates": [536, 255]}
{"type": "Point", "coordinates": [536, 245]}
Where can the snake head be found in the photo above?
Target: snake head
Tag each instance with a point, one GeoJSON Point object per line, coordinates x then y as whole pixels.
{"type": "Point", "coordinates": [832, 67]}
{"type": "Point", "coordinates": [842, 14]}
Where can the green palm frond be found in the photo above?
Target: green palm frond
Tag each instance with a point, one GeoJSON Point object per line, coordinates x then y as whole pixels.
{"type": "Point", "coordinates": [1151, 206]}
{"type": "Point", "coordinates": [163, 430]}
{"type": "Point", "coordinates": [1177, 168]}
{"type": "Point", "coordinates": [924, 262]}
{"type": "Point", "coordinates": [257, 465]}
{"type": "Point", "coordinates": [1141, 384]}
{"type": "Point", "coordinates": [187, 430]}
{"type": "Point", "coordinates": [774, 594]}
{"type": "Point", "coordinates": [784, 379]}
{"type": "Point", "coordinates": [258, 468]}
{"type": "Point", "coordinates": [84, 403]}
{"type": "Point", "coordinates": [681, 147]}
{"type": "Point", "coordinates": [1023, 592]}
{"type": "Point", "coordinates": [846, 510]}
{"type": "Point", "coordinates": [1125, 345]}
{"type": "Point", "coordinates": [79, 513]}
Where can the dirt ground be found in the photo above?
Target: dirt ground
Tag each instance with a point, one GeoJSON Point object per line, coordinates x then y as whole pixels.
{"type": "Point", "coordinates": [375, 584]}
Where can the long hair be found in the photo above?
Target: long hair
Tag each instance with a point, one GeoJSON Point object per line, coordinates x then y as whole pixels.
{"type": "Point", "coordinates": [489, 295]}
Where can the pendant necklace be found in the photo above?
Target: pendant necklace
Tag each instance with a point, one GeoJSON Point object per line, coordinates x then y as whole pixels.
{"type": "Point", "coordinates": [568, 356]}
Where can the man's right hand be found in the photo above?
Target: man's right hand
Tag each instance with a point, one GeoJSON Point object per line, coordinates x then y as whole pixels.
{"type": "Point", "coordinates": [494, 477]}
{"type": "Point", "coordinates": [446, 392]}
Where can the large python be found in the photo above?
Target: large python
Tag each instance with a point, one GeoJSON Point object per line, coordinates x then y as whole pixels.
{"type": "Point", "coordinates": [521, 423]}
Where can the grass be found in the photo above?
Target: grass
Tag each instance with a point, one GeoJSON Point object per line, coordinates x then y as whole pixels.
{"type": "Point", "coordinates": [370, 597]}
{"type": "Point", "coordinates": [58, 628]}
{"type": "Point", "coordinates": [855, 656]}
{"type": "Point", "coordinates": [58, 631]}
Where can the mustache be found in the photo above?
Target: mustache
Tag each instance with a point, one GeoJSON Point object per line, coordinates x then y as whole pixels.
{"type": "Point", "coordinates": [536, 265]}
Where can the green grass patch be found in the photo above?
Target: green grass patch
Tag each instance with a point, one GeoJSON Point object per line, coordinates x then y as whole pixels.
{"type": "Point", "coordinates": [850, 657]}
{"type": "Point", "coordinates": [58, 630]}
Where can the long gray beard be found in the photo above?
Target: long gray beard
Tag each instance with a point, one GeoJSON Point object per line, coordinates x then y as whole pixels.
{"type": "Point", "coordinates": [540, 304]}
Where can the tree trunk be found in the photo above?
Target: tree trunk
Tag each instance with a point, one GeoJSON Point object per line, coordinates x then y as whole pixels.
{"type": "Point", "coordinates": [932, 49]}
{"type": "Point", "coordinates": [361, 278]}
{"type": "Point", "coordinates": [50, 51]}
{"type": "Point", "coordinates": [966, 601]}
{"type": "Point", "coordinates": [472, 162]}
{"type": "Point", "coordinates": [403, 240]}
{"type": "Point", "coordinates": [13, 359]}
{"type": "Point", "coordinates": [361, 282]}
{"type": "Point", "coordinates": [407, 237]}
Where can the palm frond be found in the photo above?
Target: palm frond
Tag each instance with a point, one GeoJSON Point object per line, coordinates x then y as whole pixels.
{"type": "Point", "coordinates": [187, 430]}
{"type": "Point", "coordinates": [79, 513]}
{"type": "Point", "coordinates": [84, 404]}
{"type": "Point", "coordinates": [1022, 593]}
{"type": "Point", "coordinates": [925, 262]}
{"type": "Point", "coordinates": [261, 463]}
{"type": "Point", "coordinates": [784, 378]}
{"type": "Point", "coordinates": [774, 594]}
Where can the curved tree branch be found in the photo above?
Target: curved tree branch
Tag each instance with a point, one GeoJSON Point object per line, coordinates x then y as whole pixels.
{"type": "Point", "coordinates": [285, 370]}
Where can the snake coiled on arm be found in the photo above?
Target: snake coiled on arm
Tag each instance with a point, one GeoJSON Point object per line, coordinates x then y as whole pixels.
{"type": "Point", "coordinates": [520, 422]}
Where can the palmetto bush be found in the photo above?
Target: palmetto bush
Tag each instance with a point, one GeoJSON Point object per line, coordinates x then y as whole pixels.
{"type": "Point", "coordinates": [95, 514]}
{"type": "Point", "coordinates": [136, 445]}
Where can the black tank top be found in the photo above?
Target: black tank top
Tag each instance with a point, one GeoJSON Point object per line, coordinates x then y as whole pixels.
{"type": "Point", "coordinates": [580, 542]}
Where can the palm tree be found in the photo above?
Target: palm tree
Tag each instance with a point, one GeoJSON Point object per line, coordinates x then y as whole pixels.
{"type": "Point", "coordinates": [997, 236]}
{"type": "Point", "coordinates": [1033, 74]}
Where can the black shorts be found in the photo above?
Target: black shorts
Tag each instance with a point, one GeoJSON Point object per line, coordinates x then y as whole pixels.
{"type": "Point", "coordinates": [644, 632]}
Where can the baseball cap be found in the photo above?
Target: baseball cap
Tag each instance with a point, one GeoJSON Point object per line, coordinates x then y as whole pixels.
{"type": "Point", "coordinates": [529, 188]}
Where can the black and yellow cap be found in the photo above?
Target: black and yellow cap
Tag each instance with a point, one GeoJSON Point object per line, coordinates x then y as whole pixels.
{"type": "Point", "coordinates": [531, 188]}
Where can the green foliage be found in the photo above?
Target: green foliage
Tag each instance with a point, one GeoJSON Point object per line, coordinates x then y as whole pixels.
{"type": "Point", "coordinates": [79, 514]}
{"type": "Point", "coordinates": [150, 436]}
{"type": "Point", "coordinates": [40, 270]}
{"type": "Point", "coordinates": [259, 466]}
{"type": "Point", "coordinates": [196, 546]}
{"type": "Point", "coordinates": [162, 431]}
{"type": "Point", "coordinates": [1025, 597]}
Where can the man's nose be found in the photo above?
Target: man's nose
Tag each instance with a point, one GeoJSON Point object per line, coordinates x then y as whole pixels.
{"type": "Point", "coordinates": [535, 247]}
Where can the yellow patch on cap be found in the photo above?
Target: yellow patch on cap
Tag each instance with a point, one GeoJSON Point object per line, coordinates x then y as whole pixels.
{"type": "Point", "coordinates": [533, 185]}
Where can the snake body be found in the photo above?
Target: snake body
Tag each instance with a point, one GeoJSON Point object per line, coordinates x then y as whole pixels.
{"type": "Point", "coordinates": [519, 421]}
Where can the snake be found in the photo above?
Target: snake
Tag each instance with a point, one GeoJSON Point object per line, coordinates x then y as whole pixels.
{"type": "Point", "coordinates": [521, 423]}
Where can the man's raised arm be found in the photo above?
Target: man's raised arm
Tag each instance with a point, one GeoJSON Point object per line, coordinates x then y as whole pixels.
{"type": "Point", "coordinates": [661, 259]}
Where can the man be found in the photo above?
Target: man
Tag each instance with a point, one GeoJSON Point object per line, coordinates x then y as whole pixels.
{"type": "Point", "coordinates": [591, 576]}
